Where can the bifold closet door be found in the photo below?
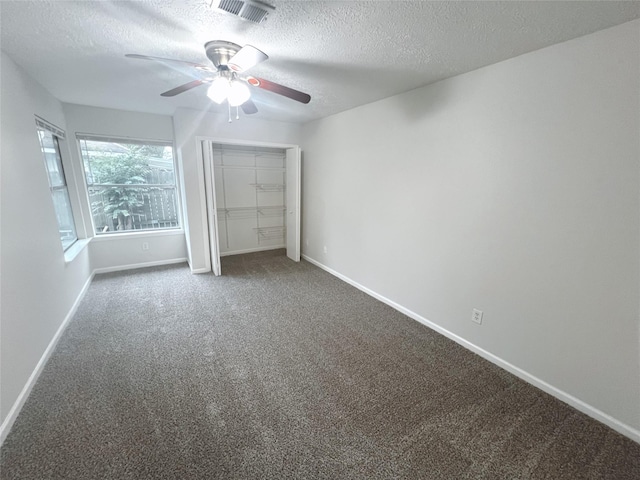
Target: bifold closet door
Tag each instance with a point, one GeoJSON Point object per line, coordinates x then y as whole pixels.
{"type": "Point", "coordinates": [206, 152]}
{"type": "Point", "coordinates": [293, 182]}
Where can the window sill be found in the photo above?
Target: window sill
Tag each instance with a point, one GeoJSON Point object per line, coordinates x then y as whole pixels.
{"type": "Point", "coordinates": [73, 251]}
{"type": "Point", "coordinates": [157, 233]}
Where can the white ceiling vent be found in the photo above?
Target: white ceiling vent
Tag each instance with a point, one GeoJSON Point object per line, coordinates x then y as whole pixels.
{"type": "Point", "coordinates": [251, 10]}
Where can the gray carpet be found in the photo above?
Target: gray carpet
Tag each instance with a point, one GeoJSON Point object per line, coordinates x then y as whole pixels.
{"type": "Point", "coordinates": [278, 370]}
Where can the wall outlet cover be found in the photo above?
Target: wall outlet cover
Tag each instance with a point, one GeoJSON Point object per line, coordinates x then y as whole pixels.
{"type": "Point", "coordinates": [476, 316]}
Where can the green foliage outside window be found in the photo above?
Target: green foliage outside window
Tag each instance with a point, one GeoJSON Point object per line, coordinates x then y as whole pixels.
{"type": "Point", "coordinates": [132, 185]}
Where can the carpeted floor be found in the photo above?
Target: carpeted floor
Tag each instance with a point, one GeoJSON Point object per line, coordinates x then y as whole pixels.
{"type": "Point", "coordinates": [278, 370]}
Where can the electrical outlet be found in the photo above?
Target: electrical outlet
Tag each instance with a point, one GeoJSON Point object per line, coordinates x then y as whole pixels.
{"type": "Point", "coordinates": [325, 249]}
{"type": "Point", "coordinates": [476, 316]}
{"type": "Point", "coordinates": [145, 246]}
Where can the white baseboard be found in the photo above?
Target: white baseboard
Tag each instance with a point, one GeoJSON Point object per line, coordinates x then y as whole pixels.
{"type": "Point", "coordinates": [253, 250]}
{"type": "Point", "coordinates": [33, 378]}
{"type": "Point", "coordinates": [576, 403]}
{"type": "Point", "coordinates": [139, 265]}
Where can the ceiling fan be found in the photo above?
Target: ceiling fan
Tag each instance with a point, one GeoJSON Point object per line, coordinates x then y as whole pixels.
{"type": "Point", "coordinates": [229, 60]}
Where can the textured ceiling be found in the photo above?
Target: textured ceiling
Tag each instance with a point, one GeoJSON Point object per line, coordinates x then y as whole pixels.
{"type": "Point", "coordinates": [343, 54]}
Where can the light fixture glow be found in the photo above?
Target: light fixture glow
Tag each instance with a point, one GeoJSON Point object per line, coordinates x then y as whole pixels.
{"type": "Point", "coordinates": [238, 93]}
{"type": "Point", "coordinates": [219, 90]}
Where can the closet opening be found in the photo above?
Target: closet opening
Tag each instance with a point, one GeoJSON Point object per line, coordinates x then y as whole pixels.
{"type": "Point", "coordinates": [253, 199]}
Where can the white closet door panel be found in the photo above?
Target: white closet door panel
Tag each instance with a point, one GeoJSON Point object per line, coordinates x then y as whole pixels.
{"type": "Point", "coordinates": [242, 234]}
{"type": "Point", "coordinates": [217, 157]}
{"type": "Point", "coordinates": [293, 203]}
{"type": "Point", "coordinates": [239, 190]}
{"type": "Point", "coordinates": [206, 150]}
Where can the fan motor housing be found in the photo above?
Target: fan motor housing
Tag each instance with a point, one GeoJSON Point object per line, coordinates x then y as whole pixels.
{"type": "Point", "coordinates": [220, 52]}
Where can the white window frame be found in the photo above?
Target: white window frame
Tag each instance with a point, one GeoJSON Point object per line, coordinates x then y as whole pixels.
{"type": "Point", "coordinates": [176, 186]}
{"type": "Point", "coordinates": [57, 134]}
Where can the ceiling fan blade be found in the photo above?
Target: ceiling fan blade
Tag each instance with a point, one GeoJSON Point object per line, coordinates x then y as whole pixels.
{"type": "Point", "coordinates": [249, 108]}
{"type": "Point", "coordinates": [247, 57]}
{"type": "Point", "coordinates": [169, 60]}
{"type": "Point", "coordinates": [182, 88]}
{"type": "Point", "coordinates": [279, 89]}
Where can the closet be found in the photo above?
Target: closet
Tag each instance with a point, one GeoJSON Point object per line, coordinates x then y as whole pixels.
{"type": "Point", "coordinates": [250, 198]}
{"type": "Point", "coordinates": [253, 198]}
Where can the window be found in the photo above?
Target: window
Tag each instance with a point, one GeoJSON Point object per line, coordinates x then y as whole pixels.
{"type": "Point", "coordinates": [58, 185]}
{"type": "Point", "coordinates": [131, 184]}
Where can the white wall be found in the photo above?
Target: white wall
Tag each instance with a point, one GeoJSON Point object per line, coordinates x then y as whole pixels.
{"type": "Point", "coordinates": [38, 288]}
{"type": "Point", "coordinates": [189, 124]}
{"type": "Point", "coordinates": [120, 251]}
{"type": "Point", "coordinates": [513, 189]}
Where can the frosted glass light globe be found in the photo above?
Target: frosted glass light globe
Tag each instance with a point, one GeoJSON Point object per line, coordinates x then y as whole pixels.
{"type": "Point", "coordinates": [219, 90]}
{"type": "Point", "coordinates": [238, 93]}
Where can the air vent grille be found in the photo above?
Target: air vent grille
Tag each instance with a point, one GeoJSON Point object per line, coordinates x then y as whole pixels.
{"type": "Point", "coordinates": [231, 6]}
{"type": "Point", "coordinates": [253, 14]}
{"type": "Point", "coordinates": [250, 10]}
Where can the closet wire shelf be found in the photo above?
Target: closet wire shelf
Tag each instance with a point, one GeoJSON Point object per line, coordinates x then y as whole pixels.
{"type": "Point", "coordinates": [268, 187]}
{"type": "Point", "coordinates": [268, 233]}
{"type": "Point", "coordinates": [233, 213]}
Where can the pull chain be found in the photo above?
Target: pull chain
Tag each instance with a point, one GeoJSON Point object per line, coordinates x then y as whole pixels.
{"type": "Point", "coordinates": [229, 105]}
{"type": "Point", "coordinates": [237, 114]}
